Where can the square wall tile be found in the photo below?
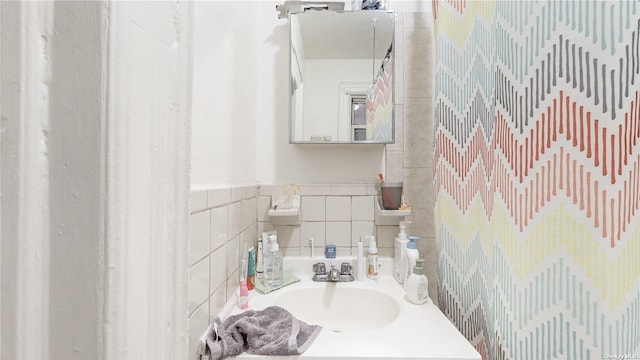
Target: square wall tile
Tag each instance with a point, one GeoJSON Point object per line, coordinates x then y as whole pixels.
{"type": "Point", "coordinates": [264, 226]}
{"type": "Point", "coordinates": [219, 224]}
{"type": "Point", "coordinates": [248, 210]}
{"type": "Point", "coordinates": [313, 208]}
{"type": "Point", "coordinates": [198, 200]}
{"type": "Point", "coordinates": [338, 208]}
{"type": "Point", "coordinates": [233, 255]}
{"type": "Point", "coordinates": [262, 207]}
{"type": "Point", "coordinates": [268, 190]}
{"type": "Point", "coordinates": [348, 189]}
{"type": "Point", "coordinates": [217, 301]}
{"type": "Point", "coordinates": [387, 235]}
{"type": "Point", "coordinates": [252, 191]}
{"type": "Point", "coordinates": [418, 20]}
{"type": "Point", "coordinates": [418, 139]}
{"type": "Point", "coordinates": [288, 236]}
{"type": "Point", "coordinates": [248, 238]}
{"type": "Point", "coordinates": [235, 218]}
{"type": "Point", "coordinates": [315, 189]}
{"type": "Point", "coordinates": [339, 233]}
{"type": "Point", "coordinates": [373, 189]}
{"type": "Point", "coordinates": [198, 284]}
{"type": "Point", "coordinates": [315, 230]}
{"type": "Point", "coordinates": [419, 194]}
{"type": "Point", "coordinates": [232, 286]}
{"type": "Point", "coordinates": [238, 193]}
{"type": "Point", "coordinates": [360, 229]}
{"type": "Point", "coordinates": [290, 251]}
{"type": "Point", "coordinates": [394, 166]}
{"type": "Point", "coordinates": [218, 268]}
{"type": "Point", "coordinates": [219, 197]}
{"type": "Point", "coordinates": [198, 325]}
{"type": "Point", "coordinates": [199, 233]}
{"type": "Point", "coordinates": [398, 79]}
{"type": "Point", "coordinates": [362, 208]}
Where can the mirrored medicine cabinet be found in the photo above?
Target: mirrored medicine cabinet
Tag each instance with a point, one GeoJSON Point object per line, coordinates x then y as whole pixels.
{"type": "Point", "coordinates": [341, 77]}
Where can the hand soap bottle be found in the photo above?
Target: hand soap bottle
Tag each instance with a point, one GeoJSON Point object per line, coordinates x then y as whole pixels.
{"type": "Point", "coordinates": [400, 261]}
{"type": "Point", "coordinates": [412, 254]}
{"type": "Point", "coordinates": [372, 259]}
{"type": "Point", "coordinates": [417, 285]}
{"type": "Point", "coordinates": [273, 272]}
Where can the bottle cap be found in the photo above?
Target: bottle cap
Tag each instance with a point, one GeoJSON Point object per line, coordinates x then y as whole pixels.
{"type": "Point", "coordinates": [412, 242]}
{"type": "Point", "coordinates": [372, 243]}
{"type": "Point", "coordinates": [418, 268]}
{"type": "Point", "coordinates": [403, 227]}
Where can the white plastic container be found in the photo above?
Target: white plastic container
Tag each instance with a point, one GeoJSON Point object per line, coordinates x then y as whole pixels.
{"type": "Point", "coordinates": [273, 272]}
{"type": "Point", "coordinates": [400, 260]}
{"type": "Point", "coordinates": [372, 258]}
{"type": "Point", "coordinates": [412, 254]}
{"type": "Point", "coordinates": [417, 285]}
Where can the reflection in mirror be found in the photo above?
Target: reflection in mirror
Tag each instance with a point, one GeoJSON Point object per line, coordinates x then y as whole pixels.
{"type": "Point", "coordinates": [341, 80]}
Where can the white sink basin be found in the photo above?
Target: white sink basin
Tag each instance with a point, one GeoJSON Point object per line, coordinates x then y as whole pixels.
{"type": "Point", "coordinates": [341, 309]}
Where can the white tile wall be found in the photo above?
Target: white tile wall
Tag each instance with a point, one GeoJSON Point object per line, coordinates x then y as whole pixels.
{"type": "Point", "coordinates": [313, 208]}
{"type": "Point", "coordinates": [338, 208]}
{"type": "Point", "coordinates": [222, 222]}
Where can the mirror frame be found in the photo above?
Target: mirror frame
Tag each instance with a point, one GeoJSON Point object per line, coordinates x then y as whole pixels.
{"type": "Point", "coordinates": [393, 80]}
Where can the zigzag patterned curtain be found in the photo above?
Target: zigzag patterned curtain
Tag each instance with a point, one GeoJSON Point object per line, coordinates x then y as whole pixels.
{"type": "Point", "coordinates": [537, 153]}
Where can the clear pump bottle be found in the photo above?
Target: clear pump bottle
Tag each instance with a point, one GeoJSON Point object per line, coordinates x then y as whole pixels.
{"type": "Point", "coordinates": [273, 269]}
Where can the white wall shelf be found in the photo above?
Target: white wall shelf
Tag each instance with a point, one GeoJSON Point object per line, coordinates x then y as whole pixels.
{"type": "Point", "coordinates": [388, 217]}
{"type": "Point", "coordinates": [283, 214]}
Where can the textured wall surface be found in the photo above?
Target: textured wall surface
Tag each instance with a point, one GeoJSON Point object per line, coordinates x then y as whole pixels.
{"type": "Point", "coordinates": [537, 153]}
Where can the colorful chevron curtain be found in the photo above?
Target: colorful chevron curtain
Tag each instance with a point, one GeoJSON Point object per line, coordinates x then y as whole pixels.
{"type": "Point", "coordinates": [537, 176]}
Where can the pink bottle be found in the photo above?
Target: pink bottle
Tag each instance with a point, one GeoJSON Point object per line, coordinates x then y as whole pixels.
{"type": "Point", "coordinates": [244, 295]}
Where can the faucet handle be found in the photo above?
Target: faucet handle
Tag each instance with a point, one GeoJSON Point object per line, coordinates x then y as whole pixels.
{"type": "Point", "coordinates": [345, 268]}
{"type": "Point", "coordinates": [319, 268]}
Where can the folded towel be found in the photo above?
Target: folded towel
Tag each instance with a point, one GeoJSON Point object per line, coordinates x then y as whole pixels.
{"type": "Point", "coordinates": [272, 331]}
{"type": "Point", "coordinates": [287, 279]}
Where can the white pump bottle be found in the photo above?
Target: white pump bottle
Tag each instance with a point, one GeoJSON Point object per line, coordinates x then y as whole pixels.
{"type": "Point", "coordinates": [400, 261]}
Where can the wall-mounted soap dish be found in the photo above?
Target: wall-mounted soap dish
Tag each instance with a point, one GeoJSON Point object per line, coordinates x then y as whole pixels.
{"type": "Point", "coordinates": [286, 213]}
{"type": "Point", "coordinates": [389, 217]}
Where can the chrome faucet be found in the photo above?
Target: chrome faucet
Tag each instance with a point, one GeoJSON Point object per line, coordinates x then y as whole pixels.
{"type": "Point", "coordinates": [333, 275]}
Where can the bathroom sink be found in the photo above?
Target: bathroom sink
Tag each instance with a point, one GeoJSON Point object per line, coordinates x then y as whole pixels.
{"type": "Point", "coordinates": [341, 309]}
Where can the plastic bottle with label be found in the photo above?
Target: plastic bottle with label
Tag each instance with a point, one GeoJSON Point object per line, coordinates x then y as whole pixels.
{"type": "Point", "coordinates": [273, 272]}
{"type": "Point", "coordinates": [412, 254]}
{"type": "Point", "coordinates": [417, 285]}
{"type": "Point", "coordinates": [400, 260]}
{"type": "Point", "coordinates": [372, 259]}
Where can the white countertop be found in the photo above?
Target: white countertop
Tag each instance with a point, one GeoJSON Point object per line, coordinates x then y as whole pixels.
{"type": "Point", "coordinates": [419, 331]}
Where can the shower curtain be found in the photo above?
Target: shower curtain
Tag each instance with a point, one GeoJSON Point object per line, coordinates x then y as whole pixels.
{"type": "Point", "coordinates": [537, 176]}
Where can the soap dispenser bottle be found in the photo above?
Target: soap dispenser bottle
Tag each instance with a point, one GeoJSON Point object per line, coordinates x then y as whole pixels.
{"type": "Point", "coordinates": [372, 259]}
{"type": "Point", "coordinates": [400, 261]}
{"type": "Point", "coordinates": [417, 285]}
{"type": "Point", "coordinates": [273, 268]}
{"type": "Point", "coordinates": [412, 254]}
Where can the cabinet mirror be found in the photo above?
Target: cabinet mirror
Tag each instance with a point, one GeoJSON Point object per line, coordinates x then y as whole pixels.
{"type": "Point", "coordinates": [341, 76]}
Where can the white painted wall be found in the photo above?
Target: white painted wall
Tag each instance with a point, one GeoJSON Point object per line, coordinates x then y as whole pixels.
{"type": "Point", "coordinates": [95, 180]}
{"type": "Point", "coordinates": [240, 129]}
{"type": "Point", "coordinates": [225, 93]}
